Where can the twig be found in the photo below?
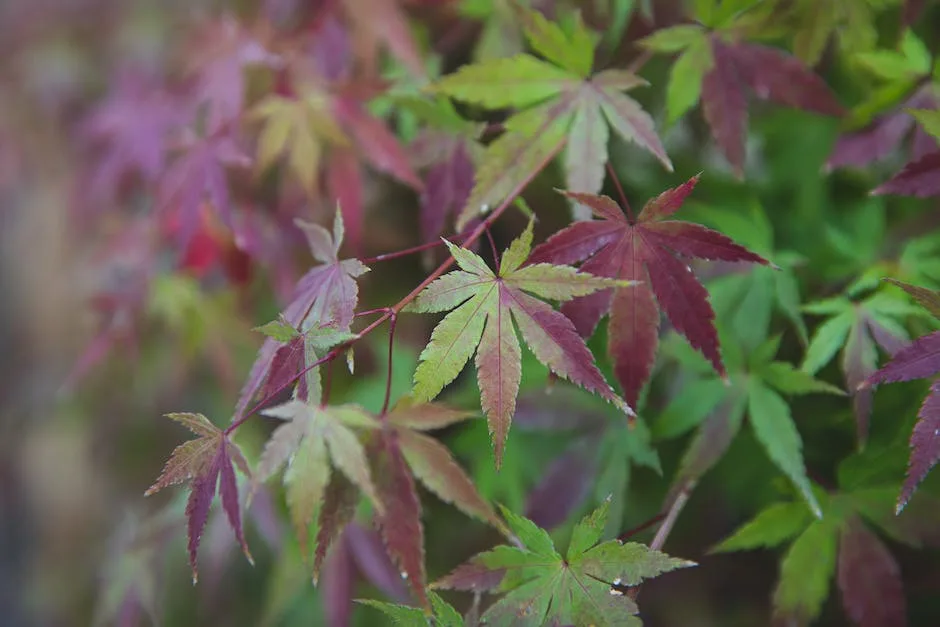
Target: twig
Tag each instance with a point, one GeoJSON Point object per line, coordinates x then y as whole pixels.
{"type": "Point", "coordinates": [402, 253]}
{"type": "Point", "coordinates": [397, 307]}
{"type": "Point", "coordinates": [637, 64]}
{"type": "Point", "coordinates": [327, 383]}
{"type": "Point", "coordinates": [388, 375]}
{"type": "Point", "coordinates": [623, 197]}
{"type": "Point", "coordinates": [629, 533]}
{"type": "Point", "coordinates": [666, 528]}
{"type": "Point", "coordinates": [489, 236]}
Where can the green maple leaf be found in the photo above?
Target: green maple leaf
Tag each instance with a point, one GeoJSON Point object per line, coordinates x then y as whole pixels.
{"type": "Point", "coordinates": [858, 329]}
{"type": "Point", "coordinates": [560, 104]}
{"type": "Point", "coordinates": [757, 382]}
{"type": "Point", "coordinates": [582, 587]}
{"type": "Point", "coordinates": [314, 439]}
{"type": "Point", "coordinates": [443, 615]}
{"type": "Point", "coordinates": [297, 128]}
{"type": "Point", "coordinates": [484, 305]}
{"type": "Point", "coordinates": [840, 544]}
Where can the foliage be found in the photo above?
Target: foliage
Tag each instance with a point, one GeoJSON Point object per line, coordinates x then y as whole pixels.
{"type": "Point", "coordinates": [333, 168]}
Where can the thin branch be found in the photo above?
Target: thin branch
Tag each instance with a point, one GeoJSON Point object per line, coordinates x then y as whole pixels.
{"type": "Point", "coordinates": [267, 399]}
{"type": "Point", "coordinates": [327, 383]}
{"type": "Point", "coordinates": [637, 64]}
{"type": "Point", "coordinates": [666, 528]}
{"type": "Point", "coordinates": [629, 533]}
{"type": "Point", "coordinates": [397, 307]}
{"type": "Point", "coordinates": [402, 253]}
{"type": "Point", "coordinates": [623, 197]}
{"type": "Point", "coordinates": [388, 374]}
{"type": "Point", "coordinates": [369, 312]}
{"type": "Point", "coordinates": [489, 236]}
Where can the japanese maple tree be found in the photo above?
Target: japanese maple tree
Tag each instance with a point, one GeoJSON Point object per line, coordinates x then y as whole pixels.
{"type": "Point", "coordinates": [305, 219]}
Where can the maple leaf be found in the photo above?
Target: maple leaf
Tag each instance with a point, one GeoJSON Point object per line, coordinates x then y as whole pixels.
{"type": "Point", "coordinates": [199, 172]}
{"type": "Point", "coordinates": [718, 69]}
{"type": "Point", "coordinates": [321, 114]}
{"type": "Point", "coordinates": [745, 296]}
{"type": "Point", "coordinates": [129, 586]}
{"type": "Point", "coordinates": [582, 587]}
{"type": "Point", "coordinates": [869, 578]}
{"type": "Point", "coordinates": [484, 305]}
{"type": "Point", "coordinates": [756, 384]}
{"type": "Point", "coordinates": [384, 21]}
{"type": "Point", "coordinates": [643, 250]}
{"type": "Point", "coordinates": [561, 104]}
{"type": "Point", "coordinates": [357, 554]}
{"type": "Point", "coordinates": [881, 137]}
{"type": "Point", "coordinates": [221, 50]}
{"type": "Point", "coordinates": [446, 150]}
{"type": "Point", "coordinates": [919, 177]}
{"type": "Point", "coordinates": [131, 126]}
{"type": "Point", "coordinates": [858, 328]}
{"type": "Point", "coordinates": [598, 460]}
{"type": "Point", "coordinates": [841, 543]}
{"type": "Point", "coordinates": [443, 614]}
{"type": "Point", "coordinates": [816, 22]}
{"type": "Point", "coordinates": [204, 463]}
{"type": "Point", "coordinates": [917, 360]}
{"type": "Point", "coordinates": [400, 524]}
{"type": "Point", "coordinates": [430, 461]}
{"type": "Point", "coordinates": [324, 297]}
{"type": "Point", "coordinates": [315, 439]}
{"type": "Point", "coordinates": [297, 127]}
{"type": "Point", "coordinates": [402, 453]}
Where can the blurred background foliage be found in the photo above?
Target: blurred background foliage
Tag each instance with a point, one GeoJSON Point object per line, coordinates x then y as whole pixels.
{"type": "Point", "coordinates": [83, 434]}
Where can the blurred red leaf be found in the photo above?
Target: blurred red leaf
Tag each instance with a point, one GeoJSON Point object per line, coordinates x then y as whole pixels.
{"type": "Point", "coordinates": [869, 578]}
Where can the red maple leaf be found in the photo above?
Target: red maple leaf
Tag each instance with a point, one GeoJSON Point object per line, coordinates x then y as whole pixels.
{"type": "Point", "coordinates": [869, 578]}
{"type": "Point", "coordinates": [770, 74]}
{"type": "Point", "coordinates": [205, 463]}
{"type": "Point", "coordinates": [196, 174]}
{"type": "Point", "coordinates": [883, 135]}
{"type": "Point", "coordinates": [647, 250]}
{"type": "Point", "coordinates": [920, 177]}
{"type": "Point", "coordinates": [130, 127]}
{"type": "Point", "coordinates": [448, 182]}
{"type": "Point", "coordinates": [917, 360]}
{"type": "Point", "coordinates": [326, 295]}
{"type": "Point", "coordinates": [221, 50]}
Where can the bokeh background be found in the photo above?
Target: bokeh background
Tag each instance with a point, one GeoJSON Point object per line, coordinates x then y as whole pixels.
{"type": "Point", "coordinates": [107, 325]}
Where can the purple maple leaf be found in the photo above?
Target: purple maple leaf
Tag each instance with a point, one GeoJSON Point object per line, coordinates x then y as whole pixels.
{"type": "Point", "coordinates": [646, 250]}
{"type": "Point", "coordinates": [869, 578]}
{"type": "Point", "coordinates": [223, 49]}
{"type": "Point", "coordinates": [326, 295]}
{"type": "Point", "coordinates": [882, 136]}
{"type": "Point", "coordinates": [130, 127]}
{"type": "Point", "coordinates": [770, 74]}
{"type": "Point", "coordinates": [918, 360]}
{"type": "Point", "coordinates": [196, 174]}
{"type": "Point", "coordinates": [447, 186]}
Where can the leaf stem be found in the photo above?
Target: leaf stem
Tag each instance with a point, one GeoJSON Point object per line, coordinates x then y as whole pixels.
{"type": "Point", "coordinates": [369, 312]}
{"type": "Point", "coordinates": [395, 309]}
{"type": "Point", "coordinates": [267, 399]}
{"type": "Point", "coordinates": [489, 236]}
{"type": "Point", "coordinates": [637, 64]}
{"type": "Point", "coordinates": [629, 533]}
{"type": "Point", "coordinates": [388, 374]}
{"type": "Point", "coordinates": [401, 253]}
{"type": "Point", "coordinates": [623, 197]}
{"type": "Point", "coordinates": [327, 383]}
